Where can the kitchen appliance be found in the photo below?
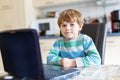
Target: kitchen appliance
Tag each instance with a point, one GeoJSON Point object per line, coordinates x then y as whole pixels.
{"type": "Point", "coordinates": [46, 27]}
{"type": "Point", "coordinates": [115, 20]}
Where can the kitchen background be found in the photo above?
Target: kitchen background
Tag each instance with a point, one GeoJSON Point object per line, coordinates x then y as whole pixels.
{"type": "Point", "coordinates": [22, 13]}
{"type": "Point", "coordinates": [92, 9]}
{"type": "Point", "coordinates": [15, 14]}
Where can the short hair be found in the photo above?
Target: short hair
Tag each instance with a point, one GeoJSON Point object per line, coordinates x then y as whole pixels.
{"type": "Point", "coordinates": [70, 15]}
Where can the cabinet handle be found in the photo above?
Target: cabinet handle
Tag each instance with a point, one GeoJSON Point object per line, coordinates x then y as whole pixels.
{"type": "Point", "coordinates": [6, 7]}
{"type": "Point", "coordinates": [111, 41]}
{"type": "Point", "coordinates": [7, 25]}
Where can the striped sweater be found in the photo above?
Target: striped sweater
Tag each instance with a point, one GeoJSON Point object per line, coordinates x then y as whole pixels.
{"type": "Point", "coordinates": [81, 49]}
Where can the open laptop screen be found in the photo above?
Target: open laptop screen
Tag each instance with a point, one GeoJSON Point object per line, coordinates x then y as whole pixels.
{"type": "Point", "coordinates": [15, 46]}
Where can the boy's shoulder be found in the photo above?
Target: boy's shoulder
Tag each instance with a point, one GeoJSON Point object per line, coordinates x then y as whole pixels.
{"type": "Point", "coordinates": [84, 36]}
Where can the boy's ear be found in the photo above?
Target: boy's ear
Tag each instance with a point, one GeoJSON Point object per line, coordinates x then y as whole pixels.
{"type": "Point", "coordinates": [81, 25]}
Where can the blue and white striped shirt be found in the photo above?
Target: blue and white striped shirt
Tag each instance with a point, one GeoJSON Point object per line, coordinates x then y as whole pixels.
{"type": "Point", "coordinates": [81, 49]}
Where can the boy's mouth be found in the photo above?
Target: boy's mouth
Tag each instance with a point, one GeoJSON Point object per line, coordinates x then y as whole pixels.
{"type": "Point", "coordinates": [68, 32]}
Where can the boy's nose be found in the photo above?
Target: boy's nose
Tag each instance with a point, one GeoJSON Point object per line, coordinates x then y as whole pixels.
{"type": "Point", "coordinates": [68, 27]}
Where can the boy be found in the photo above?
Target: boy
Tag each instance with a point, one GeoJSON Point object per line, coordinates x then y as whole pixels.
{"type": "Point", "coordinates": [73, 49]}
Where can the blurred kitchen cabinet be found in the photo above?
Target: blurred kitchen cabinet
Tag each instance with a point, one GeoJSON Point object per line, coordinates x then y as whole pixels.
{"type": "Point", "coordinates": [46, 3]}
{"type": "Point", "coordinates": [43, 3]}
{"type": "Point", "coordinates": [12, 14]}
{"type": "Point", "coordinates": [6, 4]}
{"type": "Point", "coordinates": [45, 46]}
{"type": "Point", "coordinates": [1, 63]}
{"type": "Point", "coordinates": [112, 51]}
{"type": "Point", "coordinates": [66, 1]}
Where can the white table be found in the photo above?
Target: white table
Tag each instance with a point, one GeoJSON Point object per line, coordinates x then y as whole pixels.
{"type": "Point", "coordinates": [103, 72]}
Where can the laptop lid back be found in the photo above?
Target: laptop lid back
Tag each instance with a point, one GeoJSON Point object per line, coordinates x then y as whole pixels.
{"type": "Point", "coordinates": [21, 53]}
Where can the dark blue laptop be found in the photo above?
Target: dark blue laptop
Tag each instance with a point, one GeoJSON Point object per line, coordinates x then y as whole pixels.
{"type": "Point", "coordinates": [22, 60]}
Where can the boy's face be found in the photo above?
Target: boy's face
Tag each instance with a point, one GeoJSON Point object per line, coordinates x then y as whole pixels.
{"type": "Point", "coordinates": [70, 30]}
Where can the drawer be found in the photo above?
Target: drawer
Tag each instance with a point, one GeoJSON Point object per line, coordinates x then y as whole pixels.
{"type": "Point", "coordinates": [47, 42]}
{"type": "Point", "coordinates": [112, 51]}
{"type": "Point", "coordinates": [1, 63]}
{"type": "Point", "coordinates": [44, 56]}
{"type": "Point", "coordinates": [113, 41]}
{"type": "Point", "coordinates": [45, 46]}
{"type": "Point", "coordinates": [112, 56]}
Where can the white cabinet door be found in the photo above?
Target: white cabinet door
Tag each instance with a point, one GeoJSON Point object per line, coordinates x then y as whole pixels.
{"type": "Point", "coordinates": [45, 46]}
{"type": "Point", "coordinates": [46, 3]}
{"type": "Point", "coordinates": [6, 14]}
{"type": "Point", "coordinates": [12, 14]}
{"type": "Point", "coordinates": [5, 4]}
{"type": "Point", "coordinates": [43, 3]}
{"type": "Point", "coordinates": [112, 52]}
{"type": "Point", "coordinates": [6, 20]}
{"type": "Point", "coordinates": [19, 14]}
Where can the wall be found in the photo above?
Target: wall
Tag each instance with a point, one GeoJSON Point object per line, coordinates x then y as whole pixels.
{"type": "Point", "coordinates": [30, 12]}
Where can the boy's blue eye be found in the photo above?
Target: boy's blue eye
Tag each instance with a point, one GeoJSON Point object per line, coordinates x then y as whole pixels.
{"type": "Point", "coordinates": [63, 25]}
{"type": "Point", "coordinates": [71, 24]}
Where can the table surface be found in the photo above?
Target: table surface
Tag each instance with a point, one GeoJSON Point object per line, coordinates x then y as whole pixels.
{"type": "Point", "coordinates": [103, 72]}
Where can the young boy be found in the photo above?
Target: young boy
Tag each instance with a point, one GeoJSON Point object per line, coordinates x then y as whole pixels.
{"type": "Point", "coordinates": [73, 49]}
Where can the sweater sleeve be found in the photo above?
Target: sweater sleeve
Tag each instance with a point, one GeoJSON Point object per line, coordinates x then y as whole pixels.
{"type": "Point", "coordinates": [92, 55]}
{"type": "Point", "coordinates": [53, 55]}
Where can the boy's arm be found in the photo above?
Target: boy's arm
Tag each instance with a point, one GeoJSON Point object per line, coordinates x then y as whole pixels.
{"type": "Point", "coordinates": [92, 56]}
{"type": "Point", "coordinates": [53, 56]}
{"type": "Point", "coordinates": [53, 59]}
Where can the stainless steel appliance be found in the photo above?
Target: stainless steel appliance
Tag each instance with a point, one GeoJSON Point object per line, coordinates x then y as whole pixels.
{"type": "Point", "coordinates": [115, 20]}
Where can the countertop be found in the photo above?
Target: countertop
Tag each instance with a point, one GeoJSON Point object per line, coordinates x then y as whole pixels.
{"type": "Point", "coordinates": [113, 34]}
{"type": "Point", "coordinates": [104, 72]}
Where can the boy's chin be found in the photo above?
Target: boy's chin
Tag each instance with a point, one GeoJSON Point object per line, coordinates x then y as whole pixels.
{"type": "Point", "coordinates": [70, 37]}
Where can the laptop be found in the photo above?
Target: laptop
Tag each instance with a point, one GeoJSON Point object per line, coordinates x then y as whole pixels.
{"type": "Point", "coordinates": [21, 56]}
